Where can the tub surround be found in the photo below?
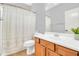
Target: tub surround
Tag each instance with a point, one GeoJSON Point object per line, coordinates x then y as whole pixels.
{"type": "Point", "coordinates": [65, 41]}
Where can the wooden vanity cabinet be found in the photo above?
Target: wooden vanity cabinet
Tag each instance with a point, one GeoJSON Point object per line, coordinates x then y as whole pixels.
{"type": "Point", "coordinates": [46, 48]}
{"type": "Point", "coordinates": [50, 46]}
{"type": "Point", "coordinates": [39, 49]}
{"type": "Point", "coordinates": [43, 51]}
{"type": "Point", "coordinates": [51, 53]}
{"type": "Point", "coordinates": [43, 42]}
{"type": "Point", "coordinates": [65, 51]}
{"type": "Point", "coordinates": [43, 48]}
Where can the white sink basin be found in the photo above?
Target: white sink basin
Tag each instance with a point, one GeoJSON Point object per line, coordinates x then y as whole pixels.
{"type": "Point", "coordinates": [59, 38]}
{"type": "Point", "coordinates": [51, 36]}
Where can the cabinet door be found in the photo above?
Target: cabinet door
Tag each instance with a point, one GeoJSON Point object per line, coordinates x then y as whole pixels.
{"type": "Point", "coordinates": [39, 50]}
{"type": "Point", "coordinates": [43, 51]}
{"type": "Point", "coordinates": [51, 53]}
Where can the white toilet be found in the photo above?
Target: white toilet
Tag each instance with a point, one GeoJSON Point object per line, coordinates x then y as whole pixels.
{"type": "Point", "coordinates": [29, 46]}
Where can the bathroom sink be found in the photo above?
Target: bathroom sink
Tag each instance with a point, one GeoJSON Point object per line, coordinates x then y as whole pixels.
{"type": "Point", "coordinates": [50, 36]}
{"type": "Point", "coordinates": [62, 38]}
{"type": "Point", "coordinates": [59, 38]}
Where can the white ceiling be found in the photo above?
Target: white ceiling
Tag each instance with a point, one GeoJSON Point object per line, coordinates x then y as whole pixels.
{"type": "Point", "coordinates": [47, 5]}
{"type": "Point", "coordinates": [29, 4]}
{"type": "Point", "coordinates": [50, 5]}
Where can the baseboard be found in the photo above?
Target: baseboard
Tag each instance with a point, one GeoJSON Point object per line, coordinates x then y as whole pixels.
{"type": "Point", "coordinates": [12, 52]}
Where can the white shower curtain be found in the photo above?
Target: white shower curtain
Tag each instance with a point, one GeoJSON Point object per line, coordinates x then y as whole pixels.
{"type": "Point", "coordinates": [18, 27]}
{"type": "Point", "coordinates": [1, 28]}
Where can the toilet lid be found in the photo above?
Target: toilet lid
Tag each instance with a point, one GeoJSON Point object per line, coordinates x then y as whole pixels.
{"type": "Point", "coordinates": [29, 43]}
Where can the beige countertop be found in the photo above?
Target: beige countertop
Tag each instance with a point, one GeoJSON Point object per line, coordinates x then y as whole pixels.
{"type": "Point", "coordinates": [66, 41]}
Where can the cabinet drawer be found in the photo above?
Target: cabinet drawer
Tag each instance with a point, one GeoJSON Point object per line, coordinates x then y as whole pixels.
{"type": "Point", "coordinates": [51, 53]}
{"type": "Point", "coordinates": [51, 46]}
{"type": "Point", "coordinates": [43, 42]}
{"type": "Point", "coordinates": [65, 51]}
